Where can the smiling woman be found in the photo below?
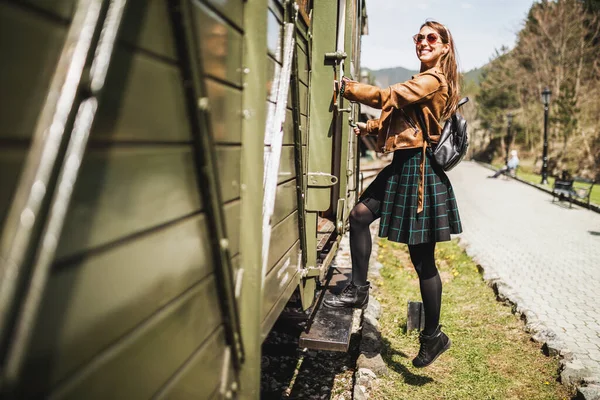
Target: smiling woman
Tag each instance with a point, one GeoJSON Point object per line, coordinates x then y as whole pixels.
{"type": "Point", "coordinates": [412, 196]}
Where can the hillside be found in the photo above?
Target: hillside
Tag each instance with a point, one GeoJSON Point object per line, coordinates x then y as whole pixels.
{"type": "Point", "coordinates": [388, 76]}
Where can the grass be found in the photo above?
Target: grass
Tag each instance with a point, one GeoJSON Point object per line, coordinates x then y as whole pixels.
{"type": "Point", "coordinates": [492, 357]}
{"type": "Point", "coordinates": [529, 176]}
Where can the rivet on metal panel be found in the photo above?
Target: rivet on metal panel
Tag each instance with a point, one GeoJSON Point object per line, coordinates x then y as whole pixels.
{"type": "Point", "coordinates": [246, 114]}
{"type": "Point", "coordinates": [203, 103]}
{"type": "Point", "coordinates": [349, 172]}
{"type": "Point", "coordinates": [224, 243]}
{"type": "Point", "coordinates": [234, 386]}
{"type": "Point", "coordinates": [246, 70]}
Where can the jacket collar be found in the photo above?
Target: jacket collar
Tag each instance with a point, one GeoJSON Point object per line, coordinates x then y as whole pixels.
{"type": "Point", "coordinates": [437, 71]}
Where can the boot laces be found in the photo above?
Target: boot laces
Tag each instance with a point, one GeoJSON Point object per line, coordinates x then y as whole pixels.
{"type": "Point", "coordinates": [349, 288]}
{"type": "Point", "coordinates": [423, 347]}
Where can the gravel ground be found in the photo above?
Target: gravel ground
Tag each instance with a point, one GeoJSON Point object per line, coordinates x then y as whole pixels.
{"type": "Point", "coordinates": [289, 372]}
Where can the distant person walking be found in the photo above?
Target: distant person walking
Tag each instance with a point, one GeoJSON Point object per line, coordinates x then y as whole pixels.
{"type": "Point", "coordinates": [412, 196]}
{"type": "Point", "coordinates": [510, 167]}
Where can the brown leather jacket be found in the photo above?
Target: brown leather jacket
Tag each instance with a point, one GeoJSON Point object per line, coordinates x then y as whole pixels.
{"type": "Point", "coordinates": [427, 90]}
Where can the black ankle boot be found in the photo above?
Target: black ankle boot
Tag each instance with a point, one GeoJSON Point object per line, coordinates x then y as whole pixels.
{"type": "Point", "coordinates": [432, 346]}
{"type": "Point", "coordinates": [351, 296]}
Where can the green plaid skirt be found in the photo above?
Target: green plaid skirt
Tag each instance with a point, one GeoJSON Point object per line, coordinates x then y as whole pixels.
{"type": "Point", "coordinates": [393, 196]}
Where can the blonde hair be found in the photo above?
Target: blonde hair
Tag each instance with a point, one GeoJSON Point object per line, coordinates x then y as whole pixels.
{"type": "Point", "coordinates": [449, 67]}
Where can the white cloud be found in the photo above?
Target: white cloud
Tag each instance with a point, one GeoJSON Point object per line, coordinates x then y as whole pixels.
{"type": "Point", "coordinates": [466, 5]}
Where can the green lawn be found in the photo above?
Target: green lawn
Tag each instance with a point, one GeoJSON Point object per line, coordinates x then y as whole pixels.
{"type": "Point", "coordinates": [491, 355]}
{"type": "Point", "coordinates": [529, 176]}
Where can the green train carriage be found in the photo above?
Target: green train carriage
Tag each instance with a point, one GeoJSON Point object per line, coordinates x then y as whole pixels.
{"type": "Point", "coordinates": [133, 188]}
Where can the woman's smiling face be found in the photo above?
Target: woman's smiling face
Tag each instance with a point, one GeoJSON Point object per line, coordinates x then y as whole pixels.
{"type": "Point", "coordinates": [430, 53]}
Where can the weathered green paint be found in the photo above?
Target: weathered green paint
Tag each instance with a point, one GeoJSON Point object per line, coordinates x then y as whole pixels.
{"type": "Point", "coordinates": [222, 45]}
{"type": "Point", "coordinates": [147, 26]}
{"type": "Point", "coordinates": [349, 141]}
{"type": "Point", "coordinates": [60, 8]}
{"type": "Point", "coordinates": [286, 201]}
{"type": "Point", "coordinates": [134, 286]}
{"type": "Point", "coordinates": [196, 381]}
{"type": "Point", "coordinates": [158, 348]}
{"type": "Point", "coordinates": [11, 162]}
{"type": "Point", "coordinates": [253, 128]}
{"type": "Point", "coordinates": [134, 110]}
{"type": "Point", "coordinates": [277, 279]}
{"type": "Point", "coordinates": [226, 111]}
{"type": "Point", "coordinates": [141, 189]}
{"type": "Point", "coordinates": [321, 122]}
{"type": "Point", "coordinates": [31, 45]}
{"type": "Point", "coordinates": [232, 9]}
{"type": "Point", "coordinates": [284, 235]}
{"type": "Point", "coordinates": [89, 319]}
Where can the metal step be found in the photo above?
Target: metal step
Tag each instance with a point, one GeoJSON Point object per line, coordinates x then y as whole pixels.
{"type": "Point", "coordinates": [330, 328]}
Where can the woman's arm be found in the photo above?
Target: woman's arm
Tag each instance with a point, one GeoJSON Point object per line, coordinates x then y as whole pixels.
{"type": "Point", "coordinates": [397, 96]}
{"type": "Point", "coordinates": [372, 127]}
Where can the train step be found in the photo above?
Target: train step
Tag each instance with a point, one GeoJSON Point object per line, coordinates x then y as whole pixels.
{"type": "Point", "coordinates": [330, 328]}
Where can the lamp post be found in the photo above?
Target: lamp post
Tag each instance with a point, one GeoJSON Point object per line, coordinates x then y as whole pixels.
{"type": "Point", "coordinates": [509, 118]}
{"type": "Point", "coordinates": [546, 100]}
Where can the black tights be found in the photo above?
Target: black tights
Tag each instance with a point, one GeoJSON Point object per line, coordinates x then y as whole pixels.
{"type": "Point", "coordinates": [421, 255]}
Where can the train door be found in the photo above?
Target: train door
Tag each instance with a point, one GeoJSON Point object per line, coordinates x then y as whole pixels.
{"type": "Point", "coordinates": [331, 178]}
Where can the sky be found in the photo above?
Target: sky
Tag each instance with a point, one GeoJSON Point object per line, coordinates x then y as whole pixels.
{"type": "Point", "coordinates": [479, 28]}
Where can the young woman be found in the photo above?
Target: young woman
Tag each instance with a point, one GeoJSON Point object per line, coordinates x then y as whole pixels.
{"type": "Point", "coordinates": [412, 196]}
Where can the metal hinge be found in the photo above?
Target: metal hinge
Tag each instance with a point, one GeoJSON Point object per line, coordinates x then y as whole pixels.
{"type": "Point", "coordinates": [321, 179]}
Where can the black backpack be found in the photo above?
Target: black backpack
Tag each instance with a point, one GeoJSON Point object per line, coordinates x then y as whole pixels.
{"type": "Point", "coordinates": [454, 140]}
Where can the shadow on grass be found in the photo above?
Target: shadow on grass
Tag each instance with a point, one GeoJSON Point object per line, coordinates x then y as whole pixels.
{"type": "Point", "coordinates": [388, 352]}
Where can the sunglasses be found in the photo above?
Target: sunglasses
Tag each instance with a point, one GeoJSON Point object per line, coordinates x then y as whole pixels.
{"type": "Point", "coordinates": [431, 38]}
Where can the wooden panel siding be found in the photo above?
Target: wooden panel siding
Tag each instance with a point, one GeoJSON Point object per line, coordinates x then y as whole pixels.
{"type": "Point", "coordinates": [288, 128]}
{"type": "Point", "coordinates": [287, 201]}
{"type": "Point", "coordinates": [11, 161]}
{"type": "Point", "coordinates": [123, 191]}
{"type": "Point", "coordinates": [225, 112]}
{"type": "Point", "coordinates": [97, 299]}
{"type": "Point", "coordinates": [230, 9]}
{"type": "Point", "coordinates": [196, 381]}
{"type": "Point", "coordinates": [143, 101]}
{"type": "Point", "coordinates": [302, 64]}
{"type": "Point", "coordinates": [63, 9]}
{"type": "Point", "coordinates": [283, 237]}
{"type": "Point", "coordinates": [220, 45]}
{"type": "Point", "coordinates": [31, 45]}
{"type": "Point", "coordinates": [146, 25]}
{"type": "Point", "coordinates": [154, 350]}
{"type": "Point", "coordinates": [287, 164]}
{"type": "Point", "coordinates": [279, 277]}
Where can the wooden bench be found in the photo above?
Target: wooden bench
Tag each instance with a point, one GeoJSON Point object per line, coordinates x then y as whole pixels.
{"type": "Point", "coordinates": [569, 189]}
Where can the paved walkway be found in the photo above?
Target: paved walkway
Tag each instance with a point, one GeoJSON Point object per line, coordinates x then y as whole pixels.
{"type": "Point", "coordinates": [547, 254]}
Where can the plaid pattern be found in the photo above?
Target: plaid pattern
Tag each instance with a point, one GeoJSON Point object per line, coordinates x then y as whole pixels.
{"type": "Point", "coordinates": [393, 197]}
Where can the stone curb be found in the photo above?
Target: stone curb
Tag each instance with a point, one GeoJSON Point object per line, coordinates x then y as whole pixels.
{"type": "Point", "coordinates": [573, 373]}
{"type": "Point", "coordinates": [370, 364]}
{"type": "Point", "coordinates": [591, 207]}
